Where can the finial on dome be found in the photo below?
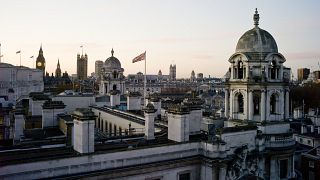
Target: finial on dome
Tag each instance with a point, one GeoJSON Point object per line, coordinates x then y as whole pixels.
{"type": "Point", "coordinates": [256, 18]}
{"type": "Point", "coordinates": [112, 51]}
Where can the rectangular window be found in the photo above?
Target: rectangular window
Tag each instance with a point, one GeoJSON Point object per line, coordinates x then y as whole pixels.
{"type": "Point", "coordinates": [184, 176]}
{"type": "Point", "coordinates": [311, 164]}
{"type": "Point", "coordinates": [283, 168]}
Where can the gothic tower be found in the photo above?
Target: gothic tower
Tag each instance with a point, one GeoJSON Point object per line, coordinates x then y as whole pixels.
{"type": "Point", "coordinates": [82, 66]}
{"type": "Point", "coordinates": [172, 72]}
{"type": "Point", "coordinates": [41, 62]}
{"type": "Point", "coordinates": [58, 70]}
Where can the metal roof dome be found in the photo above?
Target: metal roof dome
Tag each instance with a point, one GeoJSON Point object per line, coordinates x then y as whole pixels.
{"type": "Point", "coordinates": [112, 62]}
{"type": "Point", "coordinates": [257, 40]}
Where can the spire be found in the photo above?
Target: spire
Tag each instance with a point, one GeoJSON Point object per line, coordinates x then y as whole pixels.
{"type": "Point", "coordinates": [256, 18]}
{"type": "Point", "coordinates": [112, 51]}
{"type": "Point", "coordinates": [58, 63]}
{"type": "Point", "coordinates": [40, 51]}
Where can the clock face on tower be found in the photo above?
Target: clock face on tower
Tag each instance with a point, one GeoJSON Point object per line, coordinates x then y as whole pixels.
{"type": "Point", "coordinates": [39, 64]}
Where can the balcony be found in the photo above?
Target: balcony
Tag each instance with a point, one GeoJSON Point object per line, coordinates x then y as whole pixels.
{"type": "Point", "coordinates": [279, 140]}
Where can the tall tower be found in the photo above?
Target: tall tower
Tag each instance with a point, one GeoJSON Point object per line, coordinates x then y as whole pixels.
{"type": "Point", "coordinates": [112, 79]}
{"type": "Point", "coordinates": [172, 72]}
{"type": "Point", "coordinates": [82, 66]}
{"type": "Point", "coordinates": [98, 66]}
{"type": "Point", "coordinates": [193, 76]}
{"type": "Point", "coordinates": [58, 70]}
{"type": "Point", "coordinates": [258, 87]}
{"type": "Point", "coordinates": [41, 62]}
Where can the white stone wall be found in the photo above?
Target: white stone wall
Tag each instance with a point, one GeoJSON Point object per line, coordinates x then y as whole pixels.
{"type": "Point", "coordinates": [83, 139]}
{"type": "Point", "coordinates": [195, 118]}
{"type": "Point", "coordinates": [21, 80]}
{"type": "Point", "coordinates": [36, 107]}
{"type": "Point", "coordinates": [18, 126]}
{"type": "Point", "coordinates": [178, 127]}
{"type": "Point", "coordinates": [133, 103]}
{"type": "Point", "coordinates": [149, 125]}
{"type": "Point", "coordinates": [96, 162]}
{"type": "Point", "coordinates": [115, 100]}
{"type": "Point", "coordinates": [115, 120]}
{"type": "Point", "coordinates": [238, 139]}
{"type": "Point", "coordinates": [73, 102]}
{"type": "Point", "coordinates": [49, 117]}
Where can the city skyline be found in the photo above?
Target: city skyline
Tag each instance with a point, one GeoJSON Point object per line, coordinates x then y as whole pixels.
{"type": "Point", "coordinates": [194, 36]}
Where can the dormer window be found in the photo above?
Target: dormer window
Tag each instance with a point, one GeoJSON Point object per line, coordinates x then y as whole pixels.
{"type": "Point", "coordinates": [274, 70]}
{"type": "Point", "coordinates": [240, 70]}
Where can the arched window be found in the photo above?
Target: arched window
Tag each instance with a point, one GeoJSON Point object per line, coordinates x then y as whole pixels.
{"type": "Point", "coordinates": [114, 74]}
{"type": "Point", "coordinates": [273, 104]}
{"type": "Point", "coordinates": [240, 70]}
{"type": "Point", "coordinates": [256, 104]}
{"type": "Point", "coordinates": [240, 103]}
{"type": "Point", "coordinates": [114, 87]}
{"type": "Point", "coordinates": [273, 69]}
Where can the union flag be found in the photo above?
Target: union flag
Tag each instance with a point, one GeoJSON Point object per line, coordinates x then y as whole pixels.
{"type": "Point", "coordinates": [141, 57]}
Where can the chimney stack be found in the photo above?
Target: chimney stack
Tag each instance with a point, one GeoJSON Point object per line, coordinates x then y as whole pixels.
{"type": "Point", "coordinates": [149, 115]}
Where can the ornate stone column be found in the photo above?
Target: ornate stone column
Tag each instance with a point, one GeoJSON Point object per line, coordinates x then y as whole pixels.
{"type": "Point", "coordinates": [231, 104]}
{"type": "Point", "coordinates": [263, 105]}
{"type": "Point", "coordinates": [222, 172]}
{"type": "Point", "coordinates": [287, 104]}
{"type": "Point", "coordinates": [232, 72]}
{"type": "Point", "coordinates": [250, 103]}
{"type": "Point", "coordinates": [226, 103]}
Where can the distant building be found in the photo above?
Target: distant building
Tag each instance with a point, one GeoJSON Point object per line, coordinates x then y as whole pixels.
{"type": "Point", "coordinates": [200, 76]}
{"type": "Point", "coordinates": [82, 66]}
{"type": "Point", "coordinates": [41, 62]}
{"type": "Point", "coordinates": [98, 66]}
{"type": "Point", "coordinates": [303, 74]}
{"type": "Point", "coordinates": [173, 72]}
{"type": "Point", "coordinates": [112, 80]}
{"type": "Point", "coordinates": [58, 70]}
{"type": "Point", "coordinates": [193, 76]}
{"type": "Point", "coordinates": [19, 81]}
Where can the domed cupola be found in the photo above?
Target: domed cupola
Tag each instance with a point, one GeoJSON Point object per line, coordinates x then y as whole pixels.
{"type": "Point", "coordinates": [112, 62]}
{"type": "Point", "coordinates": [256, 40]}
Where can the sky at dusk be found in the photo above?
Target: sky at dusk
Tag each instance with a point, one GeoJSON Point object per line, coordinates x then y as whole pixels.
{"type": "Point", "coordinates": [197, 35]}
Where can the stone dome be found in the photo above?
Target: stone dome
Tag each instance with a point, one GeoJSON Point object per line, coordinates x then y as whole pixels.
{"type": "Point", "coordinates": [257, 40]}
{"type": "Point", "coordinates": [112, 62]}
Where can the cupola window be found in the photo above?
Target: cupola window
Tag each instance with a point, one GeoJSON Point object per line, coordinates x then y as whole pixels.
{"type": "Point", "coordinates": [240, 103]}
{"type": "Point", "coordinates": [273, 104]}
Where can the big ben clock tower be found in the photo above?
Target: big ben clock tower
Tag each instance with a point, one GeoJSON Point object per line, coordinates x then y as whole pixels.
{"type": "Point", "coordinates": [41, 62]}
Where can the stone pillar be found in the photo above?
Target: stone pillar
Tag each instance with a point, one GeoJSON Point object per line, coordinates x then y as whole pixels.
{"type": "Point", "coordinates": [178, 123]}
{"type": "Point", "coordinates": [232, 72]}
{"type": "Point", "coordinates": [287, 114]}
{"type": "Point", "coordinates": [282, 107]}
{"type": "Point", "coordinates": [83, 135]}
{"type": "Point", "coordinates": [250, 103]}
{"type": "Point", "coordinates": [231, 104]}
{"type": "Point", "coordinates": [226, 103]}
{"type": "Point", "coordinates": [149, 115]}
{"type": "Point", "coordinates": [248, 71]}
{"type": "Point", "coordinates": [263, 105]}
{"type": "Point", "coordinates": [222, 172]}
{"type": "Point", "coordinates": [18, 124]}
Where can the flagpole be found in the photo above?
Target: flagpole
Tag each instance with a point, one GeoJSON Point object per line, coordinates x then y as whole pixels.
{"type": "Point", "coordinates": [145, 80]}
{"type": "Point", "coordinates": [0, 53]}
{"type": "Point", "coordinates": [20, 58]}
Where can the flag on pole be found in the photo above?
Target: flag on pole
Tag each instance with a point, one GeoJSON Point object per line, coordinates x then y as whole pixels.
{"type": "Point", "coordinates": [81, 46]}
{"type": "Point", "coordinates": [141, 57]}
{"type": "Point", "coordinates": [18, 52]}
{"type": "Point", "coordinates": [1, 56]}
{"type": "Point", "coordinates": [31, 57]}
